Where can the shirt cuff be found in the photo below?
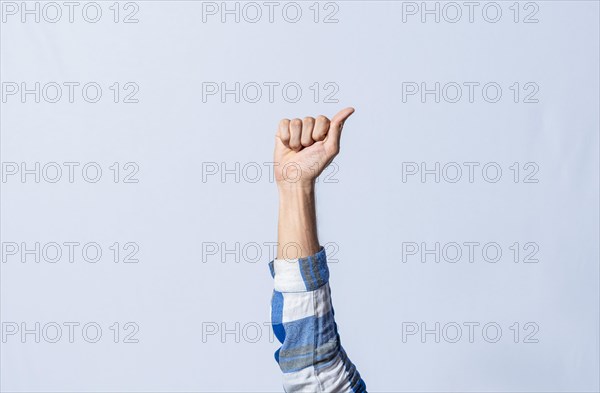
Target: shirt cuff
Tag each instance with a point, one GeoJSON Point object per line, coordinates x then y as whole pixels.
{"type": "Point", "coordinates": [302, 274]}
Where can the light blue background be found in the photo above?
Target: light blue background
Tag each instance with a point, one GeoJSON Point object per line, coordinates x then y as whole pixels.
{"type": "Point", "coordinates": [368, 213]}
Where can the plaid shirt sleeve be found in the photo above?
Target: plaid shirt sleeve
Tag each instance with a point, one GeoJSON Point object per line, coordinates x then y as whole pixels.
{"type": "Point", "coordinates": [311, 356]}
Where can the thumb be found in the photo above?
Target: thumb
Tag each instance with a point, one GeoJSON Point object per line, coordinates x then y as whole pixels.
{"type": "Point", "coordinates": [335, 128]}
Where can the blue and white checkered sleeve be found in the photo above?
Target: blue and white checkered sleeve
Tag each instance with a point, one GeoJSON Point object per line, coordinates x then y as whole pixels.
{"type": "Point", "coordinates": [311, 356]}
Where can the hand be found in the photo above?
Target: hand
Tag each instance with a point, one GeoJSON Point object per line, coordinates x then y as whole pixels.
{"type": "Point", "coordinates": [304, 148]}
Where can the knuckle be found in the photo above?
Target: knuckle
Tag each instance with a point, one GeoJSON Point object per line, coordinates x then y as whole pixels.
{"type": "Point", "coordinates": [319, 136]}
{"type": "Point", "coordinates": [307, 139]}
{"type": "Point", "coordinates": [296, 122]}
{"type": "Point", "coordinates": [320, 131]}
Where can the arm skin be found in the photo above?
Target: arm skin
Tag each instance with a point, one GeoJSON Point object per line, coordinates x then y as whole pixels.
{"type": "Point", "coordinates": [311, 356]}
{"type": "Point", "coordinates": [303, 148]}
{"type": "Point", "coordinates": [297, 222]}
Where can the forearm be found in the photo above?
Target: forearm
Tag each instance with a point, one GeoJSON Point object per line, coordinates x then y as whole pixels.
{"type": "Point", "coordinates": [311, 356]}
{"type": "Point", "coordinates": [297, 228]}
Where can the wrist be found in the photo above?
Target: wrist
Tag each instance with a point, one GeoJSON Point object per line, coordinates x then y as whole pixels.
{"type": "Point", "coordinates": [295, 188]}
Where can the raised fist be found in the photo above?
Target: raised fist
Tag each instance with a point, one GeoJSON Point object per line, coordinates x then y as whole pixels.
{"type": "Point", "coordinates": [303, 148]}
